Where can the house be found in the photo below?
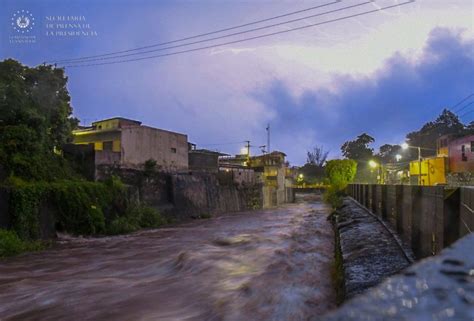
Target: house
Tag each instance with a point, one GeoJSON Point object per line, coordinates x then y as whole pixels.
{"type": "Point", "coordinates": [204, 159]}
{"type": "Point", "coordinates": [270, 170]}
{"type": "Point", "coordinates": [461, 154]}
{"type": "Point", "coordinates": [129, 144]}
{"type": "Point", "coordinates": [453, 164]}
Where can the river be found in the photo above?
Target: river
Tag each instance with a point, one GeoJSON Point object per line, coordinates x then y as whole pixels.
{"type": "Point", "coordinates": [260, 265]}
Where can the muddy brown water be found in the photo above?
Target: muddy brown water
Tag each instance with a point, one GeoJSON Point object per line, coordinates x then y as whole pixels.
{"type": "Point", "coordinates": [260, 265]}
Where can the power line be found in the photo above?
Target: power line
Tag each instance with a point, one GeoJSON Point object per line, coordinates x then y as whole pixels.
{"type": "Point", "coordinates": [464, 107]}
{"type": "Point", "coordinates": [245, 39]}
{"type": "Point", "coordinates": [224, 36]}
{"type": "Point", "coordinates": [199, 35]}
{"type": "Point", "coordinates": [466, 113]}
{"type": "Point", "coordinates": [463, 100]}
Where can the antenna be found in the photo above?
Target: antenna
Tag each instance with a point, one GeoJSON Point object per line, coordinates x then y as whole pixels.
{"type": "Point", "coordinates": [268, 138]}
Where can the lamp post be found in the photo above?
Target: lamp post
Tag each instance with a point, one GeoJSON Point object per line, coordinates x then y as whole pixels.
{"type": "Point", "coordinates": [373, 164]}
{"type": "Point", "coordinates": [406, 146]}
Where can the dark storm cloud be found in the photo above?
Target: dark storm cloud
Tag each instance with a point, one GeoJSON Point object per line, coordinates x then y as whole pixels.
{"type": "Point", "coordinates": [393, 101]}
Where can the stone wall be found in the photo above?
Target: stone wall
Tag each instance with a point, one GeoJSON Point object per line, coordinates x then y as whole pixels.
{"type": "Point", "coordinates": [466, 215]}
{"type": "Point", "coordinates": [428, 218]}
{"type": "Point", "coordinates": [190, 194]}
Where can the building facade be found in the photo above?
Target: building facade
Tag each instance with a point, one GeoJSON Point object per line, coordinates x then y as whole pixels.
{"type": "Point", "coordinates": [270, 170]}
{"type": "Point", "coordinates": [129, 144]}
{"type": "Point", "coordinates": [453, 164]}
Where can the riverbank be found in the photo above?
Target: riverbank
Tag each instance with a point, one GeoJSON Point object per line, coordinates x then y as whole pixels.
{"type": "Point", "coordinates": [367, 252]}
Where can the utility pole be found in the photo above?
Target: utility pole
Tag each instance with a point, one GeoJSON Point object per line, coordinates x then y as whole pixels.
{"type": "Point", "coordinates": [419, 167]}
{"type": "Point", "coordinates": [268, 139]}
{"type": "Point", "coordinates": [248, 151]}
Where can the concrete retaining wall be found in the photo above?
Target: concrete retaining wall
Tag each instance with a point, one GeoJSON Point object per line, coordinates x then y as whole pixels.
{"type": "Point", "coordinates": [437, 288]}
{"type": "Point", "coordinates": [428, 218]}
{"type": "Point", "coordinates": [179, 195]}
{"type": "Point", "coordinates": [466, 219]}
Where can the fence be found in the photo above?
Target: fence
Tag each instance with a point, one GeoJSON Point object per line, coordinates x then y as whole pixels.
{"type": "Point", "coordinates": [428, 218]}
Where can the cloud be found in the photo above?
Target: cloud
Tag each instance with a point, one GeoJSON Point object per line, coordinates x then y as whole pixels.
{"type": "Point", "coordinates": [388, 103]}
{"type": "Point", "coordinates": [318, 86]}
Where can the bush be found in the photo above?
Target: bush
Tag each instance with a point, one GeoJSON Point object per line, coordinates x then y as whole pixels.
{"type": "Point", "coordinates": [11, 244]}
{"type": "Point", "coordinates": [148, 217]}
{"type": "Point", "coordinates": [137, 217]}
{"type": "Point", "coordinates": [122, 225]}
{"type": "Point", "coordinates": [333, 197]}
{"type": "Point", "coordinates": [81, 208]}
{"type": "Point", "coordinates": [339, 173]}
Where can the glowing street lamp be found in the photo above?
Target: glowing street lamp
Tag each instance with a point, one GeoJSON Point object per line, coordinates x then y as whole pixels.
{"type": "Point", "coordinates": [373, 164]}
{"type": "Point", "coordinates": [406, 146]}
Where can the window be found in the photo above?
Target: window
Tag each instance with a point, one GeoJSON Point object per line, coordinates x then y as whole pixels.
{"type": "Point", "coordinates": [173, 150]}
{"type": "Point", "coordinates": [463, 153]}
{"type": "Point", "coordinates": [472, 147]}
{"type": "Point", "coordinates": [108, 146]}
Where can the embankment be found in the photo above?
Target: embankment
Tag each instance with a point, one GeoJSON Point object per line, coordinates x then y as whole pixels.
{"type": "Point", "coordinates": [368, 252]}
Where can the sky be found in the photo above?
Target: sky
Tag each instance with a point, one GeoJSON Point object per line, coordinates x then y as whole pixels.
{"type": "Point", "coordinates": [385, 74]}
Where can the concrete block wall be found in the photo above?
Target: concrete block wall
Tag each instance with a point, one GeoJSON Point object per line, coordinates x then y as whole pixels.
{"type": "Point", "coordinates": [466, 211]}
{"type": "Point", "coordinates": [428, 218]}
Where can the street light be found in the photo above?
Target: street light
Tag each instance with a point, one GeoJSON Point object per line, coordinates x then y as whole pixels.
{"type": "Point", "coordinates": [373, 164]}
{"type": "Point", "coordinates": [406, 146]}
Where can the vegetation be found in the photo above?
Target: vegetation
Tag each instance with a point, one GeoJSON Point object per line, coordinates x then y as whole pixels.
{"type": "Point", "coordinates": [337, 268]}
{"type": "Point", "coordinates": [149, 167]}
{"type": "Point", "coordinates": [339, 172]}
{"type": "Point", "coordinates": [139, 217]}
{"type": "Point", "coordinates": [313, 171]}
{"type": "Point", "coordinates": [11, 244]}
{"type": "Point", "coordinates": [446, 123]}
{"type": "Point", "coordinates": [358, 149]}
{"type": "Point", "coordinates": [35, 121]}
{"type": "Point", "coordinates": [317, 156]}
{"type": "Point", "coordinates": [80, 208]}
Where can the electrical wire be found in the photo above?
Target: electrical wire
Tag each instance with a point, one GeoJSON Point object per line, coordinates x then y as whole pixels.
{"type": "Point", "coordinates": [243, 40]}
{"type": "Point", "coordinates": [463, 100]}
{"type": "Point", "coordinates": [464, 107]}
{"type": "Point", "coordinates": [199, 35]}
{"type": "Point", "coordinates": [224, 36]}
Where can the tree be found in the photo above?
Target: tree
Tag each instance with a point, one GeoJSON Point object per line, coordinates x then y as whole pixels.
{"type": "Point", "coordinates": [387, 153]}
{"type": "Point", "coordinates": [446, 123]}
{"type": "Point", "coordinates": [341, 172]}
{"type": "Point", "coordinates": [317, 156]}
{"type": "Point", "coordinates": [35, 119]}
{"type": "Point", "coordinates": [358, 149]}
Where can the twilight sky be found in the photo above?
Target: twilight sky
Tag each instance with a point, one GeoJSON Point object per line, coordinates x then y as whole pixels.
{"type": "Point", "coordinates": [385, 73]}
